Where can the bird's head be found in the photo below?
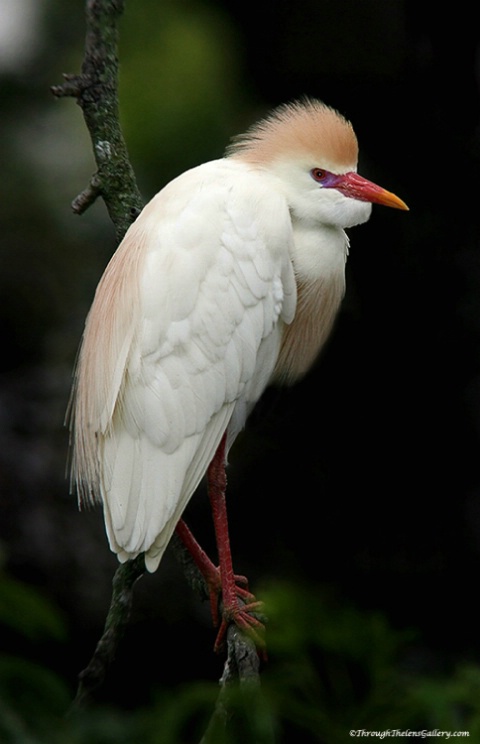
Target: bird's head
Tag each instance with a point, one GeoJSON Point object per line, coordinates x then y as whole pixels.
{"type": "Point", "coordinates": [313, 151]}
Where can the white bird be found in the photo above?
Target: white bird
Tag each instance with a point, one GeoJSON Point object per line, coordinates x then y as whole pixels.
{"type": "Point", "coordinates": [229, 280]}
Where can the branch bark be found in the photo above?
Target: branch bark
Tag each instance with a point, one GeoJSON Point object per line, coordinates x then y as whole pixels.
{"type": "Point", "coordinates": [96, 91]}
{"type": "Point", "coordinates": [92, 677]}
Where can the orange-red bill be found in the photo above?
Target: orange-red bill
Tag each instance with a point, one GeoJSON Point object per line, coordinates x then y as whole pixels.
{"type": "Point", "coordinates": [357, 187]}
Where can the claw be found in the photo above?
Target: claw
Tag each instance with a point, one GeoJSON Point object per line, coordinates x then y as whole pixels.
{"type": "Point", "coordinates": [245, 621]}
{"type": "Point", "coordinates": [215, 591]}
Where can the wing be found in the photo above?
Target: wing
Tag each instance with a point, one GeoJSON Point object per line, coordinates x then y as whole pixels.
{"type": "Point", "coordinates": [183, 333]}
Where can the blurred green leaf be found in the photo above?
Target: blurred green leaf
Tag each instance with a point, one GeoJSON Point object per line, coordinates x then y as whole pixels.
{"type": "Point", "coordinates": [449, 702]}
{"type": "Point", "coordinates": [26, 611]}
{"type": "Point", "coordinates": [31, 699]}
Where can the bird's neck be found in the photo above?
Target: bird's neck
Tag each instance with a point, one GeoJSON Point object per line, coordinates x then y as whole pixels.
{"type": "Point", "coordinates": [319, 257]}
{"type": "Point", "coordinates": [319, 251]}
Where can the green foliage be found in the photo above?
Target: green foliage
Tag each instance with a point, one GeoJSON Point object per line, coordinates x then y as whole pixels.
{"type": "Point", "coordinates": [451, 704]}
{"type": "Point", "coordinates": [335, 669]}
{"type": "Point", "coordinates": [31, 695]}
{"type": "Point", "coordinates": [27, 612]}
{"type": "Point", "coordinates": [32, 700]}
{"type": "Point", "coordinates": [331, 668]}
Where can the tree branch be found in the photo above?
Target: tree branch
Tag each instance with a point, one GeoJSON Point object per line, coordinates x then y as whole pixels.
{"type": "Point", "coordinates": [96, 92]}
{"type": "Point", "coordinates": [126, 576]}
{"type": "Point", "coordinates": [240, 696]}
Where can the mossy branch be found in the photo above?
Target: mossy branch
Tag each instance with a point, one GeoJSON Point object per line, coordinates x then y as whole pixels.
{"type": "Point", "coordinates": [96, 91]}
{"type": "Point", "coordinates": [92, 677]}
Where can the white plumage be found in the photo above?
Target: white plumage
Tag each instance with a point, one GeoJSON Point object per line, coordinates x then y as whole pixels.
{"type": "Point", "coordinates": [231, 277]}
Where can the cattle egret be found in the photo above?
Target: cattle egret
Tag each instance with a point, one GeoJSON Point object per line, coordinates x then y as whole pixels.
{"type": "Point", "coordinates": [229, 280]}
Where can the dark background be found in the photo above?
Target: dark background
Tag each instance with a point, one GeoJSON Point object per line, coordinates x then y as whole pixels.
{"type": "Point", "coordinates": [362, 481]}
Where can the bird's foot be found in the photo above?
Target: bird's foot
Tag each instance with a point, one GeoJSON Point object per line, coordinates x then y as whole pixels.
{"type": "Point", "coordinates": [241, 592]}
{"type": "Point", "coordinates": [238, 601]}
{"type": "Point", "coordinates": [237, 609]}
{"type": "Point", "coordinates": [242, 614]}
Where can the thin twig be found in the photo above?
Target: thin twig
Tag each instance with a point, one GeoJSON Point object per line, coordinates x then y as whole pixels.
{"type": "Point", "coordinates": [86, 198]}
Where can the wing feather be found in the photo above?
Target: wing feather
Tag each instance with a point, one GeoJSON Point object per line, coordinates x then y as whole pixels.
{"type": "Point", "coordinates": [181, 340]}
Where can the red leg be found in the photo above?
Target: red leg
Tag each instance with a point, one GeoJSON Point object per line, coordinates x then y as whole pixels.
{"type": "Point", "coordinates": [238, 602]}
{"type": "Point", "coordinates": [233, 610]}
{"type": "Point", "coordinates": [209, 571]}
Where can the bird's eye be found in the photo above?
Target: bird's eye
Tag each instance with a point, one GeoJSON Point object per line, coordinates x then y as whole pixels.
{"type": "Point", "coordinates": [318, 174]}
